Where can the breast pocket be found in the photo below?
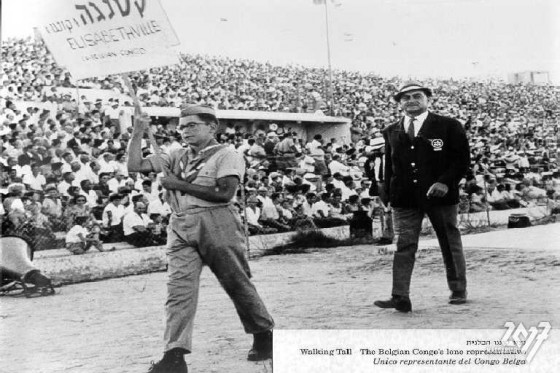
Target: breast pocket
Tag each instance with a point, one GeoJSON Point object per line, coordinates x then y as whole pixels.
{"type": "Point", "coordinates": [206, 176]}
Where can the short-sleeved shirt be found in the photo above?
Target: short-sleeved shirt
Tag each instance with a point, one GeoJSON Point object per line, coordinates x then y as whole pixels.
{"type": "Point", "coordinates": [72, 235]}
{"type": "Point", "coordinates": [132, 220]}
{"type": "Point", "coordinates": [117, 213]}
{"type": "Point", "coordinates": [52, 207]}
{"type": "Point", "coordinates": [35, 182]}
{"type": "Point", "coordinates": [226, 162]}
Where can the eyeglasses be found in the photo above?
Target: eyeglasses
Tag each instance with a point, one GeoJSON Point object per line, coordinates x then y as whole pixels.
{"type": "Point", "coordinates": [190, 125]}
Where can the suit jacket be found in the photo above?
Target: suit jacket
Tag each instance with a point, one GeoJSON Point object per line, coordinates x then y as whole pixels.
{"type": "Point", "coordinates": [439, 153]}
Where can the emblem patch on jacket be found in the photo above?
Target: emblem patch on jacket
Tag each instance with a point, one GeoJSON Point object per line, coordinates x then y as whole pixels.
{"type": "Point", "coordinates": [437, 144]}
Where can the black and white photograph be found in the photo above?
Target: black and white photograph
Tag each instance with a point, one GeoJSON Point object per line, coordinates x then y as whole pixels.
{"type": "Point", "coordinates": [287, 186]}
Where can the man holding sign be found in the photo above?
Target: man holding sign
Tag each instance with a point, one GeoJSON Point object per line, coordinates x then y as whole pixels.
{"type": "Point", "coordinates": [205, 228]}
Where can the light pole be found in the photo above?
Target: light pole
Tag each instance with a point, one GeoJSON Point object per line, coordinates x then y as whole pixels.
{"type": "Point", "coordinates": [330, 93]}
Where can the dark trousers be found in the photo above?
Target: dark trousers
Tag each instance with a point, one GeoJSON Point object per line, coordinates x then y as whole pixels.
{"type": "Point", "coordinates": [408, 225]}
{"type": "Point", "coordinates": [139, 239]}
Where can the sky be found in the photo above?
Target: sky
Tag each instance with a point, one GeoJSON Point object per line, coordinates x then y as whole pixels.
{"type": "Point", "coordinates": [408, 38]}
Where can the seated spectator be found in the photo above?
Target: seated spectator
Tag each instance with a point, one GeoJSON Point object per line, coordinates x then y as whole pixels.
{"type": "Point", "coordinates": [307, 205]}
{"type": "Point", "coordinates": [477, 201]}
{"type": "Point", "coordinates": [52, 208]}
{"type": "Point", "coordinates": [508, 196]}
{"type": "Point", "coordinates": [336, 166]}
{"type": "Point", "coordinates": [112, 218]}
{"type": "Point", "coordinates": [97, 210]}
{"type": "Point", "coordinates": [158, 229]}
{"type": "Point", "coordinates": [495, 197]}
{"type": "Point", "coordinates": [352, 205]}
{"type": "Point", "coordinates": [78, 239]}
{"type": "Point", "coordinates": [149, 192]}
{"type": "Point", "coordinates": [102, 185]}
{"type": "Point", "coordinates": [159, 206]}
{"type": "Point", "coordinates": [532, 194]}
{"type": "Point", "coordinates": [322, 216]}
{"type": "Point", "coordinates": [347, 189]}
{"type": "Point", "coordinates": [13, 201]}
{"type": "Point", "coordinates": [77, 207]}
{"type": "Point", "coordinates": [253, 214]}
{"type": "Point", "coordinates": [35, 180]}
{"type": "Point", "coordinates": [66, 183]}
{"type": "Point", "coordinates": [116, 182]}
{"type": "Point", "coordinates": [286, 211]}
{"type": "Point", "coordinates": [270, 217]}
{"type": "Point", "coordinates": [137, 227]}
{"type": "Point", "coordinates": [88, 193]}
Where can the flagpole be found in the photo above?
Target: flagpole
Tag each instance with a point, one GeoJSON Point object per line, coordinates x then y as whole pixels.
{"type": "Point", "coordinates": [331, 97]}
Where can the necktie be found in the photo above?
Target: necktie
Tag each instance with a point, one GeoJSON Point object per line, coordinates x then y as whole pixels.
{"type": "Point", "coordinates": [410, 131]}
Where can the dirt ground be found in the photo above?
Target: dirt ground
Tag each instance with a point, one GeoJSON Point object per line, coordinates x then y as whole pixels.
{"type": "Point", "coordinates": [116, 325]}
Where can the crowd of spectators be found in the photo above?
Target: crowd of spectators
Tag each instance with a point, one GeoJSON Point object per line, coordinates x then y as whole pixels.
{"type": "Point", "coordinates": [63, 159]}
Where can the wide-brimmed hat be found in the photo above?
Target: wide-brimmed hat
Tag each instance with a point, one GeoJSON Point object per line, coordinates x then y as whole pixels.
{"type": "Point", "coordinates": [411, 86]}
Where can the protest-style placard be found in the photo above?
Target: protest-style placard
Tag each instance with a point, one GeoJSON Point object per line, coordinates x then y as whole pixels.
{"type": "Point", "coordinates": [102, 37]}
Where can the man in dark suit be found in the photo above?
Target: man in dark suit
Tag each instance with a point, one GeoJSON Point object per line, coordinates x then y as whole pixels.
{"type": "Point", "coordinates": [426, 155]}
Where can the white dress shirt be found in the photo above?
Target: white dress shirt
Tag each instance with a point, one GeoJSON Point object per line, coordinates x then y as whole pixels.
{"type": "Point", "coordinates": [418, 122]}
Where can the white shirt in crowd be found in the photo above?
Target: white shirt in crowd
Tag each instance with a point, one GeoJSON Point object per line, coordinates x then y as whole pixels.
{"type": "Point", "coordinates": [35, 182]}
{"type": "Point", "coordinates": [336, 166]}
{"type": "Point", "coordinates": [91, 197]}
{"type": "Point", "coordinates": [114, 184]}
{"type": "Point", "coordinates": [320, 206]}
{"type": "Point", "coordinates": [63, 187]}
{"type": "Point", "coordinates": [158, 207]}
{"type": "Point", "coordinates": [307, 209]}
{"type": "Point", "coordinates": [253, 216]}
{"type": "Point", "coordinates": [418, 122]}
{"type": "Point", "coordinates": [347, 192]}
{"type": "Point", "coordinates": [117, 213]}
{"type": "Point", "coordinates": [73, 234]}
{"type": "Point", "coordinates": [132, 220]}
{"type": "Point", "coordinates": [269, 210]}
{"type": "Point", "coordinates": [81, 174]}
{"type": "Point", "coordinates": [106, 166]}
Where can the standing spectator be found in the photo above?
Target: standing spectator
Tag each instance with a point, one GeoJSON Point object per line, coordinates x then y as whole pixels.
{"type": "Point", "coordinates": [286, 152]}
{"type": "Point", "coordinates": [316, 151]}
{"type": "Point", "coordinates": [426, 155]}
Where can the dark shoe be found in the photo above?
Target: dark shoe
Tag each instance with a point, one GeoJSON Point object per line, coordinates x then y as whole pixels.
{"type": "Point", "coordinates": [383, 241]}
{"type": "Point", "coordinates": [262, 347]}
{"type": "Point", "coordinates": [397, 302]}
{"type": "Point", "coordinates": [172, 362]}
{"type": "Point", "coordinates": [458, 297]}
